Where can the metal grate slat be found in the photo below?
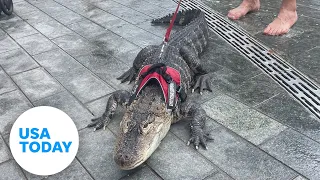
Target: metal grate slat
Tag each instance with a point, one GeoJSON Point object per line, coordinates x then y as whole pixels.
{"type": "Point", "coordinates": [297, 84]}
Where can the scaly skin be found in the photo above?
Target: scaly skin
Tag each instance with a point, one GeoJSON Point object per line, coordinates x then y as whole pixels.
{"type": "Point", "coordinates": [146, 120]}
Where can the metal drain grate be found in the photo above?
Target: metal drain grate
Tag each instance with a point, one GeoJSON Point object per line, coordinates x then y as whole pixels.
{"type": "Point", "coordinates": [288, 77]}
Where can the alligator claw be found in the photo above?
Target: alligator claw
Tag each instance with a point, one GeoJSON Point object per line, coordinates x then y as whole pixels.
{"type": "Point", "coordinates": [203, 83]}
{"type": "Point", "coordinates": [99, 123]}
{"type": "Point", "coordinates": [127, 76]}
{"type": "Point", "coordinates": [198, 137]}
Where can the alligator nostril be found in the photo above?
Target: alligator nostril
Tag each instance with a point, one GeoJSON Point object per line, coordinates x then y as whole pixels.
{"type": "Point", "coordinates": [122, 158]}
{"type": "Point", "coordinates": [126, 157]}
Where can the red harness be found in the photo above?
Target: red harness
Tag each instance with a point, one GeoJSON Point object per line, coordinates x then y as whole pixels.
{"type": "Point", "coordinates": [168, 78]}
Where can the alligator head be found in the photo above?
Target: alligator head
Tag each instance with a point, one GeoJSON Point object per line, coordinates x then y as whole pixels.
{"type": "Point", "coordinates": [144, 124]}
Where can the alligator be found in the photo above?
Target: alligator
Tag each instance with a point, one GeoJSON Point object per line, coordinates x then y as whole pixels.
{"type": "Point", "coordinates": [148, 112]}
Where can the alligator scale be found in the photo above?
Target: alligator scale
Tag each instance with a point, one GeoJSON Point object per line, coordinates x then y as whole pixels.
{"type": "Point", "coordinates": [162, 74]}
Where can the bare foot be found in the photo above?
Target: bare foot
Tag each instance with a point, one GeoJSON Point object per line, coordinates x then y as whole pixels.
{"type": "Point", "coordinates": [245, 7]}
{"type": "Point", "coordinates": [282, 23]}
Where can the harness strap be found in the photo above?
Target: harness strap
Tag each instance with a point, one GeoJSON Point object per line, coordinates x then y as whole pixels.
{"type": "Point", "coordinates": [173, 92]}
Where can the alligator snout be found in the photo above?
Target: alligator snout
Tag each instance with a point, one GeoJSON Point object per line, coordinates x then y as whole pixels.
{"type": "Point", "coordinates": [125, 161]}
{"type": "Point", "coordinates": [122, 159]}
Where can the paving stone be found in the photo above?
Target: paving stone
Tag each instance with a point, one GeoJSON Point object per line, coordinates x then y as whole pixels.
{"type": "Point", "coordinates": [158, 30]}
{"type": "Point", "coordinates": [35, 17]}
{"type": "Point", "coordinates": [96, 154]}
{"type": "Point", "coordinates": [299, 178]}
{"type": "Point", "coordinates": [219, 53]}
{"type": "Point", "coordinates": [104, 18]}
{"type": "Point", "coordinates": [67, 17]}
{"type": "Point", "coordinates": [68, 104]}
{"type": "Point", "coordinates": [11, 170]}
{"type": "Point", "coordinates": [308, 63]}
{"type": "Point", "coordinates": [52, 29]}
{"type": "Point", "coordinates": [257, 90]}
{"type": "Point", "coordinates": [83, 7]}
{"type": "Point", "coordinates": [23, 7]}
{"type": "Point", "coordinates": [168, 4]}
{"type": "Point", "coordinates": [226, 80]}
{"type": "Point", "coordinates": [172, 159]}
{"type": "Point", "coordinates": [240, 159]}
{"type": "Point", "coordinates": [7, 44]}
{"type": "Point", "coordinates": [136, 35]}
{"type": "Point", "coordinates": [289, 112]}
{"type": "Point", "coordinates": [51, 7]}
{"type": "Point", "coordinates": [57, 62]}
{"type": "Point", "coordinates": [12, 105]}
{"type": "Point", "coordinates": [222, 6]}
{"type": "Point", "coordinates": [218, 176]}
{"type": "Point", "coordinates": [16, 61]}
{"type": "Point", "coordinates": [19, 29]}
{"type": "Point", "coordinates": [6, 21]}
{"type": "Point", "coordinates": [309, 11]}
{"type": "Point", "coordinates": [4, 151]}
{"type": "Point", "coordinates": [37, 84]}
{"type": "Point", "coordinates": [87, 29]}
{"type": "Point", "coordinates": [6, 84]}
{"type": "Point", "coordinates": [307, 23]}
{"type": "Point", "coordinates": [75, 45]}
{"type": "Point", "coordinates": [68, 3]}
{"type": "Point", "coordinates": [2, 33]}
{"type": "Point", "coordinates": [36, 44]}
{"type": "Point", "coordinates": [73, 171]}
{"type": "Point", "coordinates": [84, 85]}
{"type": "Point", "coordinates": [116, 46]}
{"type": "Point", "coordinates": [206, 96]}
{"type": "Point", "coordinates": [247, 122]}
{"type": "Point", "coordinates": [129, 56]}
{"type": "Point", "coordinates": [144, 174]}
{"type": "Point", "coordinates": [145, 7]}
{"type": "Point", "coordinates": [106, 67]}
{"type": "Point", "coordinates": [43, 3]}
{"type": "Point", "coordinates": [308, 40]}
{"type": "Point", "coordinates": [123, 12]}
{"type": "Point", "coordinates": [273, 41]}
{"type": "Point", "coordinates": [297, 151]}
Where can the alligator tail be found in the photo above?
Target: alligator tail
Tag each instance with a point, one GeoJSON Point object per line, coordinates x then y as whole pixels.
{"type": "Point", "coordinates": [184, 17]}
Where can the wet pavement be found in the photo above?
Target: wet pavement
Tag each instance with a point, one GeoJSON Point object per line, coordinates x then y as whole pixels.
{"type": "Point", "coordinates": [67, 54]}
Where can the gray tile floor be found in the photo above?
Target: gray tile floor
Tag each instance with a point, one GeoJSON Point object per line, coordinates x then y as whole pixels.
{"type": "Point", "coordinates": [67, 53]}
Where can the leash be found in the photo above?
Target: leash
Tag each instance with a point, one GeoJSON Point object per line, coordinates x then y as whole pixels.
{"type": "Point", "coordinates": [167, 35]}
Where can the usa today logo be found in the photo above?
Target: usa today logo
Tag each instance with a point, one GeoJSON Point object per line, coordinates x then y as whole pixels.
{"type": "Point", "coordinates": [44, 140]}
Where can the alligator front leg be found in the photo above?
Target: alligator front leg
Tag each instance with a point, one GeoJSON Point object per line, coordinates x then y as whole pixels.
{"type": "Point", "coordinates": [202, 77]}
{"type": "Point", "coordinates": [197, 117]}
{"type": "Point", "coordinates": [119, 97]}
{"type": "Point", "coordinates": [138, 62]}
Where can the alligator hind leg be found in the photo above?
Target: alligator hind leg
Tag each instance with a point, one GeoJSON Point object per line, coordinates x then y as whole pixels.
{"type": "Point", "coordinates": [202, 77]}
{"type": "Point", "coordinates": [197, 117]}
{"type": "Point", "coordinates": [119, 97]}
{"type": "Point", "coordinates": [203, 82]}
{"type": "Point", "coordinates": [131, 74]}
